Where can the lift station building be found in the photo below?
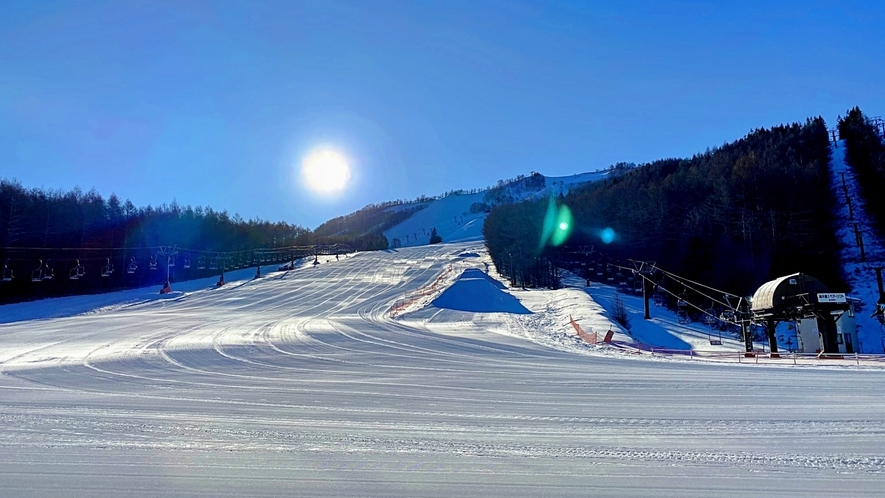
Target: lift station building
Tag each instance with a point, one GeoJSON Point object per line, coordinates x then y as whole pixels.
{"type": "Point", "coordinates": [824, 319]}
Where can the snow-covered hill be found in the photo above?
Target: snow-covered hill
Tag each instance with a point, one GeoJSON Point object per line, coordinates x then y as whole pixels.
{"type": "Point", "coordinates": [454, 222]}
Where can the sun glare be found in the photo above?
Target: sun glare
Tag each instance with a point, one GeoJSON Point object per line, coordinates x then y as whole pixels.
{"type": "Point", "coordinates": [325, 171]}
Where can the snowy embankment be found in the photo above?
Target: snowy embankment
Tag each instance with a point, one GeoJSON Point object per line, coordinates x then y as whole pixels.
{"type": "Point", "coordinates": [859, 271]}
{"type": "Point", "coordinates": [300, 383]}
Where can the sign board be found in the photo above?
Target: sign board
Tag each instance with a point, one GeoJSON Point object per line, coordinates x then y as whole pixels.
{"type": "Point", "coordinates": [831, 297]}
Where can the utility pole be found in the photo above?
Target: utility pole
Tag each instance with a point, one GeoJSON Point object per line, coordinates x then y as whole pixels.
{"type": "Point", "coordinates": [644, 270]}
{"type": "Point", "coordinates": [847, 198]}
{"type": "Point", "coordinates": [858, 237]}
{"type": "Point", "coordinates": [168, 251]}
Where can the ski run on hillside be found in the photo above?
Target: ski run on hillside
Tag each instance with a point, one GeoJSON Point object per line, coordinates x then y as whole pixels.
{"type": "Point", "coordinates": [409, 372]}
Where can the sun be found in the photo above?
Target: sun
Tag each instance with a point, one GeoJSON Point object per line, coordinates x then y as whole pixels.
{"type": "Point", "coordinates": [325, 171]}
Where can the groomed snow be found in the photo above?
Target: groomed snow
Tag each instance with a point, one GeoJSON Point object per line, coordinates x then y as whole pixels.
{"type": "Point", "coordinates": [300, 384]}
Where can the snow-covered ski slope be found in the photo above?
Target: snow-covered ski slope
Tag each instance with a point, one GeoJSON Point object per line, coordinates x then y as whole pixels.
{"type": "Point", "coordinates": [299, 384]}
{"type": "Point", "coordinates": [859, 271]}
{"type": "Point", "coordinates": [453, 221]}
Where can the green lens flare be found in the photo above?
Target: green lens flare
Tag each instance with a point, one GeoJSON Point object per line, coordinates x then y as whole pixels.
{"type": "Point", "coordinates": [563, 223]}
{"type": "Point", "coordinates": [549, 224]}
{"type": "Point", "coordinates": [557, 225]}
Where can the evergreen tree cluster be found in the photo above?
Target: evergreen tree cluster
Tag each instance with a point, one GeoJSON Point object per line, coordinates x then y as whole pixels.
{"type": "Point", "coordinates": [54, 232]}
{"type": "Point", "coordinates": [865, 154]}
{"type": "Point", "coordinates": [363, 228]}
{"type": "Point", "coordinates": [733, 217]}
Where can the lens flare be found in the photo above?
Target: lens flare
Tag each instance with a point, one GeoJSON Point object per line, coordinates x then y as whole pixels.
{"type": "Point", "coordinates": [607, 235]}
{"type": "Point", "coordinates": [564, 217]}
{"type": "Point", "coordinates": [557, 225]}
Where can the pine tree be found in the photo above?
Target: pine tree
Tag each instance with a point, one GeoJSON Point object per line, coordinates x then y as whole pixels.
{"type": "Point", "coordinates": [434, 237]}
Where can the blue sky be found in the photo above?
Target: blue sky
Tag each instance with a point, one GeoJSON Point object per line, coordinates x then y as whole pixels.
{"type": "Point", "coordinates": [215, 103]}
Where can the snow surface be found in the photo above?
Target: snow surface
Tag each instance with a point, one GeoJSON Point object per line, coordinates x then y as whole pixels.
{"type": "Point", "coordinates": [301, 384]}
{"type": "Point", "coordinates": [860, 274]}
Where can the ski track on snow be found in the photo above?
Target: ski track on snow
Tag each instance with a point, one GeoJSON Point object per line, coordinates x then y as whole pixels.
{"type": "Point", "coordinates": [302, 384]}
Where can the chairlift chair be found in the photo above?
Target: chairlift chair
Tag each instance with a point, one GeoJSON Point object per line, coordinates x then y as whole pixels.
{"type": "Point", "coordinates": [709, 319]}
{"type": "Point", "coordinates": [682, 317]}
{"type": "Point", "coordinates": [710, 316]}
{"type": "Point", "coordinates": [187, 261]}
{"type": "Point", "coordinates": [213, 265]}
{"type": "Point", "coordinates": [37, 275]}
{"type": "Point", "coordinates": [658, 296]}
{"type": "Point", "coordinates": [171, 261]}
{"type": "Point", "coordinates": [201, 263]}
{"type": "Point", "coordinates": [683, 301]}
{"type": "Point", "coordinates": [152, 264]}
{"type": "Point", "coordinates": [132, 266]}
{"type": "Point", "coordinates": [599, 269]}
{"type": "Point", "coordinates": [658, 299]}
{"type": "Point", "coordinates": [7, 272]}
{"type": "Point", "coordinates": [78, 271]}
{"type": "Point", "coordinates": [107, 269]}
{"type": "Point", "coordinates": [47, 272]}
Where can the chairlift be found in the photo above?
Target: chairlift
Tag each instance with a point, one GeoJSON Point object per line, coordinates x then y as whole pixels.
{"type": "Point", "coordinates": [47, 272]}
{"type": "Point", "coordinates": [171, 261]}
{"type": "Point", "coordinates": [710, 316]}
{"type": "Point", "coordinates": [599, 269]}
{"type": "Point", "coordinates": [682, 317]}
{"type": "Point", "coordinates": [201, 263]}
{"type": "Point", "coordinates": [37, 275]}
{"type": "Point", "coordinates": [78, 271]}
{"type": "Point", "coordinates": [610, 273]}
{"type": "Point", "coordinates": [152, 264]}
{"type": "Point", "coordinates": [107, 269]}
{"type": "Point", "coordinates": [7, 272]}
{"type": "Point", "coordinates": [715, 341]}
{"type": "Point", "coordinates": [187, 261]}
{"type": "Point", "coordinates": [682, 302]}
{"type": "Point", "coordinates": [213, 265]}
{"type": "Point", "coordinates": [658, 296]}
{"type": "Point", "coordinates": [132, 266]}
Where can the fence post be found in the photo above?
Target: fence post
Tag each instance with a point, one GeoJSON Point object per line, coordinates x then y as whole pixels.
{"type": "Point", "coordinates": [794, 357]}
{"type": "Point", "coordinates": [856, 359]}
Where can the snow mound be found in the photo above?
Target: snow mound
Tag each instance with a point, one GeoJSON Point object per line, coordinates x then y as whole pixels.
{"type": "Point", "coordinates": [476, 292]}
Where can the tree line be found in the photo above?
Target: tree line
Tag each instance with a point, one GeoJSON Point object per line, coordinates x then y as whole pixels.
{"type": "Point", "coordinates": [733, 217]}
{"type": "Point", "coordinates": [54, 233]}
{"type": "Point", "coordinates": [865, 154]}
